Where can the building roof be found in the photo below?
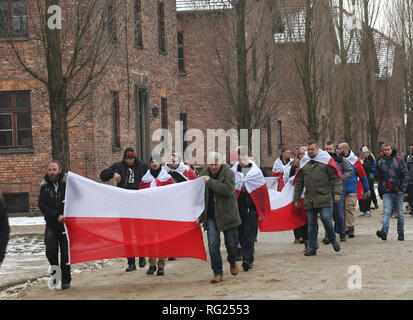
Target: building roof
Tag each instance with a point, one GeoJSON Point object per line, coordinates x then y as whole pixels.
{"type": "Point", "coordinates": [201, 5]}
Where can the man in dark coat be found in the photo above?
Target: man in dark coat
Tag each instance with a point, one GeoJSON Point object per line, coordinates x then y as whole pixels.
{"type": "Point", "coordinates": [128, 174]}
{"type": "Point", "coordinates": [408, 159]}
{"type": "Point", "coordinates": [4, 231]}
{"type": "Point", "coordinates": [51, 204]}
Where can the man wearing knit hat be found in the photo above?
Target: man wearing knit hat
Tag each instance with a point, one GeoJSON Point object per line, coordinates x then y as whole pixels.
{"type": "Point", "coordinates": [128, 174]}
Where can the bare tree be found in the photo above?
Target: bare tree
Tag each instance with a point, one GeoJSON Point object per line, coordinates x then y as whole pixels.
{"type": "Point", "coordinates": [72, 59]}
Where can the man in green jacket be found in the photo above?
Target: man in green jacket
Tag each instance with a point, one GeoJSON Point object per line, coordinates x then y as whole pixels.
{"type": "Point", "coordinates": [320, 177]}
{"type": "Point", "coordinates": [220, 214]}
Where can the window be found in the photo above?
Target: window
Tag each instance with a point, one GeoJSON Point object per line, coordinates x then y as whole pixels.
{"type": "Point", "coordinates": [111, 22]}
{"type": "Point", "coordinates": [138, 24]}
{"type": "Point", "coordinates": [16, 202]}
{"type": "Point", "coordinates": [269, 138]}
{"type": "Point", "coordinates": [15, 119]}
{"type": "Point", "coordinates": [13, 18]}
{"type": "Point", "coordinates": [181, 62]}
{"type": "Point", "coordinates": [115, 119]}
{"type": "Point", "coordinates": [161, 26]}
{"type": "Point", "coordinates": [280, 133]}
{"type": "Point", "coordinates": [164, 113]}
{"type": "Point", "coordinates": [183, 118]}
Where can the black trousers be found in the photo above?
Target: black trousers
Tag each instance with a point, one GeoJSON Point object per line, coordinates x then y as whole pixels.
{"type": "Point", "coordinates": [55, 239]}
{"type": "Point", "coordinates": [364, 205]}
{"type": "Point", "coordinates": [247, 232]}
{"type": "Point", "coordinates": [410, 196]}
{"type": "Point", "coordinates": [373, 197]}
{"type": "Point", "coordinates": [301, 232]}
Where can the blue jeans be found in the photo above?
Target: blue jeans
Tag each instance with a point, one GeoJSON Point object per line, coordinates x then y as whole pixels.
{"type": "Point", "coordinates": [337, 215]}
{"type": "Point", "coordinates": [313, 226]}
{"type": "Point", "coordinates": [390, 200]}
{"type": "Point", "coordinates": [214, 245]}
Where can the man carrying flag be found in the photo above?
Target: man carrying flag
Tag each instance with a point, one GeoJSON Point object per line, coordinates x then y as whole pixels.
{"type": "Point", "coordinates": [321, 177]}
{"type": "Point", "coordinates": [246, 169]}
{"type": "Point", "coordinates": [350, 187]}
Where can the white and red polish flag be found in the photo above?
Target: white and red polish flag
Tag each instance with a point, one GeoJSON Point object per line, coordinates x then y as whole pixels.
{"type": "Point", "coordinates": [104, 222]}
{"type": "Point", "coordinates": [149, 181]}
{"type": "Point", "coordinates": [185, 171]}
{"type": "Point", "coordinates": [275, 210]}
{"type": "Point", "coordinates": [323, 157]}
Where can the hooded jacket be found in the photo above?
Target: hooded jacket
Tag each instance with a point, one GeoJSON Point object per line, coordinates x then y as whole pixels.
{"type": "Point", "coordinates": [392, 173]}
{"type": "Point", "coordinates": [138, 169]}
{"type": "Point", "coordinates": [51, 199]}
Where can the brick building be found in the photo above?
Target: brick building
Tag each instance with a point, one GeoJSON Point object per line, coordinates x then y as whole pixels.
{"type": "Point", "coordinates": [165, 75]}
{"type": "Point", "coordinates": [138, 95]}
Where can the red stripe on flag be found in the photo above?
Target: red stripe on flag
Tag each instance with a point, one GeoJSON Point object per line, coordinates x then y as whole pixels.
{"type": "Point", "coordinates": [261, 201]}
{"type": "Point", "coordinates": [105, 238]}
{"type": "Point", "coordinates": [333, 163]}
{"type": "Point", "coordinates": [285, 218]}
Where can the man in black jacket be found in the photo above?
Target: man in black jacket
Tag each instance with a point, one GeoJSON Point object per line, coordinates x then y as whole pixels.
{"type": "Point", "coordinates": [128, 174]}
{"type": "Point", "coordinates": [51, 204]}
{"type": "Point", "coordinates": [408, 159]}
{"type": "Point", "coordinates": [4, 231]}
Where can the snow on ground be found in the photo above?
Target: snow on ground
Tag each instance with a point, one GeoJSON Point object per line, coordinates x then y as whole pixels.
{"type": "Point", "coordinates": [26, 221]}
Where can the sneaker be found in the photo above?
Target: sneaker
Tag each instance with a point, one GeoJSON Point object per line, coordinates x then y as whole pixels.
{"type": "Point", "coordinates": [245, 266]}
{"type": "Point", "coordinates": [401, 236]}
{"type": "Point", "coordinates": [382, 234]}
{"type": "Point", "coordinates": [336, 246]}
{"type": "Point", "coordinates": [362, 214]}
{"type": "Point", "coordinates": [160, 272]}
{"type": "Point", "coordinates": [130, 268]}
{"type": "Point", "coordinates": [368, 214]}
{"type": "Point", "coordinates": [151, 270]}
{"type": "Point", "coordinates": [233, 268]}
{"type": "Point", "coordinates": [142, 262]}
{"type": "Point", "coordinates": [343, 237]}
{"type": "Point", "coordinates": [216, 279]}
{"type": "Point", "coordinates": [65, 286]}
{"type": "Point", "coordinates": [310, 252]}
{"type": "Point", "coordinates": [351, 232]}
{"type": "Point", "coordinates": [326, 241]}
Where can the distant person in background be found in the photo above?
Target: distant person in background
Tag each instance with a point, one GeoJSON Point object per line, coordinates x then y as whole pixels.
{"type": "Point", "coordinates": [369, 166]}
{"type": "Point", "coordinates": [364, 205]}
{"type": "Point", "coordinates": [281, 168]}
{"type": "Point", "coordinates": [4, 231]}
{"type": "Point", "coordinates": [408, 159]}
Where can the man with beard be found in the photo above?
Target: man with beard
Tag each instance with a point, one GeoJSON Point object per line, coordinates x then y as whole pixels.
{"type": "Point", "coordinates": [51, 204]}
{"type": "Point", "coordinates": [128, 174]}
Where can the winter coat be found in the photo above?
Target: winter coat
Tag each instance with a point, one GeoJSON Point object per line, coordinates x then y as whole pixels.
{"type": "Point", "coordinates": [392, 174]}
{"type": "Point", "coordinates": [225, 199]}
{"type": "Point", "coordinates": [344, 166]}
{"type": "Point", "coordinates": [320, 181]}
{"type": "Point", "coordinates": [51, 200]}
{"type": "Point", "coordinates": [4, 231]}
{"type": "Point", "coordinates": [408, 159]}
{"type": "Point", "coordinates": [139, 169]}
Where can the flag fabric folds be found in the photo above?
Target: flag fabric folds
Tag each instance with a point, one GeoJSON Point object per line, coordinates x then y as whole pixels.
{"type": "Point", "coordinates": [104, 222]}
{"type": "Point", "coordinates": [275, 209]}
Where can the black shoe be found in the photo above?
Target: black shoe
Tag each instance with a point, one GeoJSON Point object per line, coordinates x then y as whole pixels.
{"type": "Point", "coordinates": [326, 241]}
{"type": "Point", "coordinates": [336, 246]}
{"type": "Point", "coordinates": [382, 234]}
{"type": "Point", "coordinates": [351, 232]}
{"type": "Point", "coordinates": [130, 268]}
{"type": "Point", "coordinates": [343, 237]}
{"type": "Point", "coordinates": [245, 266]}
{"type": "Point", "coordinates": [142, 262]}
{"type": "Point", "coordinates": [160, 272]}
{"type": "Point", "coordinates": [310, 252]}
{"type": "Point", "coordinates": [151, 270]}
{"type": "Point", "coordinates": [305, 246]}
{"type": "Point", "coordinates": [401, 236]}
{"type": "Point", "coordinates": [65, 286]}
{"type": "Point", "coordinates": [171, 259]}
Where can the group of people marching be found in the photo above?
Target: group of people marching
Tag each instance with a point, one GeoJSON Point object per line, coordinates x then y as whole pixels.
{"type": "Point", "coordinates": [330, 180]}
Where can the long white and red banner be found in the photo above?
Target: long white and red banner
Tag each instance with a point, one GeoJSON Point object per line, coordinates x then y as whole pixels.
{"type": "Point", "coordinates": [104, 222]}
{"type": "Point", "coordinates": [275, 209]}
